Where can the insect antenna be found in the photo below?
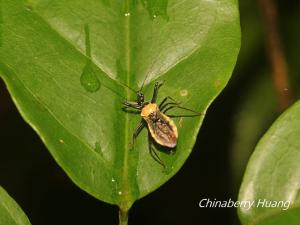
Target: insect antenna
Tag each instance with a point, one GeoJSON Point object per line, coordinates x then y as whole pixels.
{"type": "Point", "coordinates": [121, 84]}
{"type": "Point", "coordinates": [114, 91]}
{"type": "Point", "coordinates": [143, 82]}
{"type": "Point", "coordinates": [126, 86]}
{"type": "Point", "coordinates": [129, 88]}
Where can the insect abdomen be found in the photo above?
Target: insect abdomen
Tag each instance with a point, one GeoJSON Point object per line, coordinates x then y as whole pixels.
{"type": "Point", "coordinates": [163, 130]}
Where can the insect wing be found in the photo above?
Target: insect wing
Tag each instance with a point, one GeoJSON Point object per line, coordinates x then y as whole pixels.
{"type": "Point", "coordinates": [163, 130]}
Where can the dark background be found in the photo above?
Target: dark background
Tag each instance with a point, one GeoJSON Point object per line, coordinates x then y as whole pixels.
{"type": "Point", "coordinates": [30, 175]}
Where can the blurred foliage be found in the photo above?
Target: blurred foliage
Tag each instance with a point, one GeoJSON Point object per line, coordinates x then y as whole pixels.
{"type": "Point", "coordinates": [257, 106]}
{"type": "Point", "coordinates": [254, 116]}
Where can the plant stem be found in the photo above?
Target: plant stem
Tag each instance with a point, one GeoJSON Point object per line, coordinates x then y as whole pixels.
{"type": "Point", "coordinates": [275, 52]}
{"type": "Point", "coordinates": [123, 217]}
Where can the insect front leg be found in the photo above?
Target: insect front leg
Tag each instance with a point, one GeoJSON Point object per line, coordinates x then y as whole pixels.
{"type": "Point", "coordinates": [153, 152]}
{"type": "Point", "coordinates": [134, 105]}
{"type": "Point", "coordinates": [155, 92]}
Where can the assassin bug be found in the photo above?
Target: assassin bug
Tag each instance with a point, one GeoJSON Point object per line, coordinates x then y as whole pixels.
{"type": "Point", "coordinates": [161, 127]}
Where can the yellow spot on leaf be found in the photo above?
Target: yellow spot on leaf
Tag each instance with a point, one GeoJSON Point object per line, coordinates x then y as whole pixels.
{"type": "Point", "coordinates": [184, 92]}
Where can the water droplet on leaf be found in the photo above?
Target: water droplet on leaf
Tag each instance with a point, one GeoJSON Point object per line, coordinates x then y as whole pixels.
{"type": "Point", "coordinates": [89, 79]}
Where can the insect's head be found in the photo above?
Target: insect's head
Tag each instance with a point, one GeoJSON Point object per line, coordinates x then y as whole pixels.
{"type": "Point", "coordinates": [140, 97]}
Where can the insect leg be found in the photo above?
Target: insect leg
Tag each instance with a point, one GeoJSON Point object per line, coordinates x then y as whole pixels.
{"type": "Point", "coordinates": [165, 99]}
{"type": "Point", "coordinates": [134, 105]}
{"type": "Point", "coordinates": [155, 92]}
{"type": "Point", "coordinates": [153, 152]}
{"type": "Point", "coordinates": [168, 105]}
{"type": "Point", "coordinates": [137, 131]}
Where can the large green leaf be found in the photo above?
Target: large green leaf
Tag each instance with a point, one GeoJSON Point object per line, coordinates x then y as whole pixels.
{"type": "Point", "coordinates": [273, 174]}
{"type": "Point", "coordinates": [10, 212]}
{"type": "Point", "coordinates": [63, 62]}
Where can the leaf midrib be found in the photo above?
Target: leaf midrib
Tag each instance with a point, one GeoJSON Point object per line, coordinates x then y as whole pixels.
{"type": "Point", "coordinates": [125, 198]}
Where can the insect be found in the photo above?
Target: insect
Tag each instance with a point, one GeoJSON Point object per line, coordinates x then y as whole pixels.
{"type": "Point", "coordinates": [161, 128]}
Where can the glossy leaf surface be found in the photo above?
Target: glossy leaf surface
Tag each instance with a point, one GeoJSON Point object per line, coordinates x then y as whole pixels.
{"type": "Point", "coordinates": [64, 62]}
{"type": "Point", "coordinates": [273, 174]}
{"type": "Point", "coordinates": [10, 212]}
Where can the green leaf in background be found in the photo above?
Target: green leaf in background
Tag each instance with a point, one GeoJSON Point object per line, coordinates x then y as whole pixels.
{"type": "Point", "coordinates": [10, 212]}
{"type": "Point", "coordinates": [63, 62]}
{"type": "Point", "coordinates": [273, 173]}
